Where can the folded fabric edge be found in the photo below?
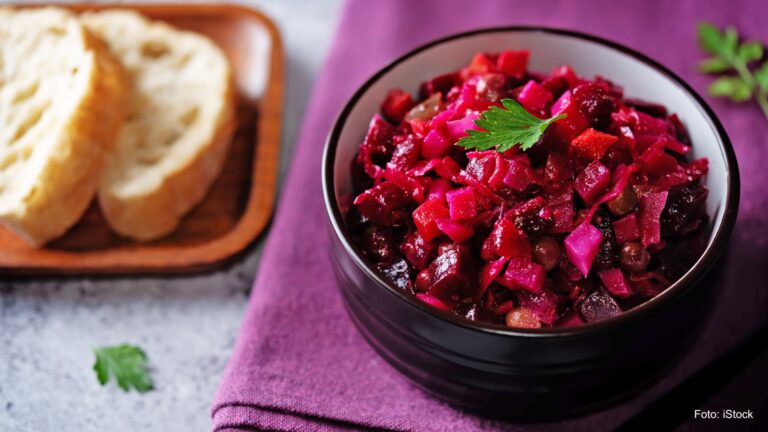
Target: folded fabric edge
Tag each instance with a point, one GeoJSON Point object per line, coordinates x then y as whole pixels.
{"type": "Point", "coordinates": [238, 416]}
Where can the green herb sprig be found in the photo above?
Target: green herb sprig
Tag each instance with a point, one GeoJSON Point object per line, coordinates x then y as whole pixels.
{"type": "Point", "coordinates": [506, 127]}
{"type": "Point", "coordinates": [728, 55]}
{"type": "Point", "coordinates": [127, 364]}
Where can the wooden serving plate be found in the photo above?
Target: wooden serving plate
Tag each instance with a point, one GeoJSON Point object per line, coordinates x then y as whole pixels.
{"type": "Point", "coordinates": [240, 202]}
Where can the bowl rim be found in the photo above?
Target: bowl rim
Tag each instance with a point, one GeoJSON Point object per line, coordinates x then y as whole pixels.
{"type": "Point", "coordinates": [688, 280]}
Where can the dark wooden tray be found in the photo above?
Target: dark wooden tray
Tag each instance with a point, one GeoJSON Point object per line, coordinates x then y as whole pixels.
{"type": "Point", "coordinates": [240, 203]}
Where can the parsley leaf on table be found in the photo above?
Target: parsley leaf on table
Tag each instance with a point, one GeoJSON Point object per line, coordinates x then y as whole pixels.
{"type": "Point", "coordinates": [126, 363]}
{"type": "Point", "coordinates": [506, 127]}
{"type": "Point", "coordinates": [728, 55]}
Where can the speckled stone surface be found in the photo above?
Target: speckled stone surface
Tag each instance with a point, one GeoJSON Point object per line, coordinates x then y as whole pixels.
{"type": "Point", "coordinates": [187, 325]}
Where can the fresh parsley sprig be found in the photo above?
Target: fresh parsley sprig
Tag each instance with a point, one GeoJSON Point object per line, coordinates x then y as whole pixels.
{"type": "Point", "coordinates": [127, 364]}
{"type": "Point", "coordinates": [506, 127]}
{"type": "Point", "coordinates": [728, 55]}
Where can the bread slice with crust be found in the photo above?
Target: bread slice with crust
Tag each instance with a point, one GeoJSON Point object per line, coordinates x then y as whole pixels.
{"type": "Point", "coordinates": [61, 104]}
{"type": "Point", "coordinates": [180, 118]}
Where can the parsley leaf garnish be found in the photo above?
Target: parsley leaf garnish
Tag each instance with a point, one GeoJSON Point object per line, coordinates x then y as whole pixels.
{"type": "Point", "coordinates": [506, 127]}
{"type": "Point", "coordinates": [728, 55]}
{"type": "Point", "coordinates": [126, 363]}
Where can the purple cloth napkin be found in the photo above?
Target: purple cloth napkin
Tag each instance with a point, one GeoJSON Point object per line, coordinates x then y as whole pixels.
{"type": "Point", "coordinates": [299, 364]}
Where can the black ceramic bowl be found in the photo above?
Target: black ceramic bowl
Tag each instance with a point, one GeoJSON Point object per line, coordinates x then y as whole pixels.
{"type": "Point", "coordinates": [539, 372]}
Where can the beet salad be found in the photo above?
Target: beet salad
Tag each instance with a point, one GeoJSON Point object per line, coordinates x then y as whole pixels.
{"type": "Point", "coordinates": [530, 200]}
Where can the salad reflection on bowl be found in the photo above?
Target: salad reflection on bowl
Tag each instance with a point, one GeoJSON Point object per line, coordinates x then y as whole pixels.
{"type": "Point", "coordinates": [503, 236]}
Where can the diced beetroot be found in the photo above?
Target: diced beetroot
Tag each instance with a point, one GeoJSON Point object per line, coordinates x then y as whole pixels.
{"type": "Point", "coordinates": [376, 147]}
{"type": "Point", "coordinates": [656, 162]}
{"type": "Point", "coordinates": [596, 100]}
{"type": "Point", "coordinates": [648, 284]}
{"type": "Point", "coordinates": [452, 275]}
{"type": "Point", "coordinates": [447, 168]}
{"type": "Point", "coordinates": [599, 306]}
{"type": "Point", "coordinates": [462, 203]}
{"type": "Point", "coordinates": [557, 169]}
{"type": "Point", "coordinates": [582, 246]}
{"type": "Point", "coordinates": [435, 145]}
{"type": "Point", "coordinates": [440, 84]}
{"type": "Point", "coordinates": [457, 128]}
{"type": "Point", "coordinates": [574, 122]}
{"type": "Point", "coordinates": [482, 165]}
{"type": "Point", "coordinates": [518, 173]}
{"type": "Point", "coordinates": [438, 188]}
{"type": "Point", "coordinates": [683, 210]}
{"type": "Point", "coordinates": [384, 204]}
{"type": "Point", "coordinates": [489, 272]}
{"type": "Point", "coordinates": [406, 153]}
{"type": "Point", "coordinates": [481, 63]}
{"type": "Point", "coordinates": [508, 240]}
{"type": "Point", "coordinates": [407, 183]}
{"type": "Point", "coordinates": [562, 210]}
{"type": "Point", "coordinates": [613, 280]}
{"type": "Point", "coordinates": [505, 307]}
{"type": "Point", "coordinates": [491, 88]}
{"type": "Point", "coordinates": [396, 104]}
{"type": "Point", "coordinates": [592, 144]}
{"type": "Point", "coordinates": [433, 301]}
{"type": "Point", "coordinates": [422, 167]}
{"type": "Point", "coordinates": [513, 63]}
{"type": "Point", "coordinates": [417, 250]}
{"type": "Point", "coordinates": [651, 206]}
{"type": "Point", "coordinates": [534, 97]}
{"type": "Point", "coordinates": [626, 229]}
{"type": "Point", "coordinates": [399, 272]}
{"type": "Point", "coordinates": [647, 125]}
{"type": "Point", "coordinates": [567, 73]}
{"type": "Point", "coordinates": [522, 273]}
{"type": "Point", "coordinates": [425, 217]}
{"type": "Point", "coordinates": [592, 182]}
{"type": "Point", "coordinates": [380, 244]}
{"type": "Point", "coordinates": [543, 305]}
{"type": "Point", "coordinates": [455, 230]}
{"type": "Point", "coordinates": [697, 169]}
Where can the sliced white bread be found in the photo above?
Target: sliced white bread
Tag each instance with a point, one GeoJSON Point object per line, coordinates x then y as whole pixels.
{"type": "Point", "coordinates": [61, 103]}
{"type": "Point", "coordinates": [180, 118]}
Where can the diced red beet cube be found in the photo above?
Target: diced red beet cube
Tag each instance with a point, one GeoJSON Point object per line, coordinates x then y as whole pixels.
{"type": "Point", "coordinates": [518, 173]}
{"type": "Point", "coordinates": [439, 188]}
{"type": "Point", "coordinates": [522, 273]}
{"type": "Point", "coordinates": [582, 246]}
{"type": "Point", "coordinates": [513, 63]}
{"type": "Point", "coordinates": [574, 122]}
{"type": "Point", "coordinates": [626, 229]}
{"type": "Point", "coordinates": [567, 73]}
{"type": "Point", "coordinates": [425, 217]}
{"type": "Point", "coordinates": [377, 146]}
{"type": "Point", "coordinates": [592, 182]}
{"type": "Point", "coordinates": [396, 104]}
{"type": "Point", "coordinates": [462, 203]}
{"type": "Point", "coordinates": [558, 168]}
{"type": "Point", "coordinates": [613, 280]}
{"type": "Point", "coordinates": [440, 84]}
{"type": "Point", "coordinates": [570, 319]}
{"type": "Point", "coordinates": [455, 230]}
{"type": "Point", "coordinates": [417, 250]}
{"type": "Point", "coordinates": [543, 305]}
{"type": "Point", "coordinates": [647, 125]}
{"type": "Point", "coordinates": [482, 166]}
{"type": "Point", "coordinates": [435, 145]}
{"type": "Point", "coordinates": [656, 162]}
{"type": "Point", "coordinates": [592, 144]}
{"type": "Point", "coordinates": [490, 271]}
{"type": "Point", "coordinates": [413, 187]}
{"type": "Point", "coordinates": [380, 244]}
{"type": "Point", "coordinates": [406, 153]}
{"type": "Point", "coordinates": [452, 275]}
{"type": "Point", "coordinates": [447, 168]}
{"type": "Point", "coordinates": [651, 206]}
{"type": "Point", "coordinates": [561, 208]}
{"type": "Point", "coordinates": [599, 306]}
{"type": "Point", "coordinates": [508, 240]}
{"type": "Point", "coordinates": [534, 97]}
{"type": "Point", "coordinates": [384, 204]}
